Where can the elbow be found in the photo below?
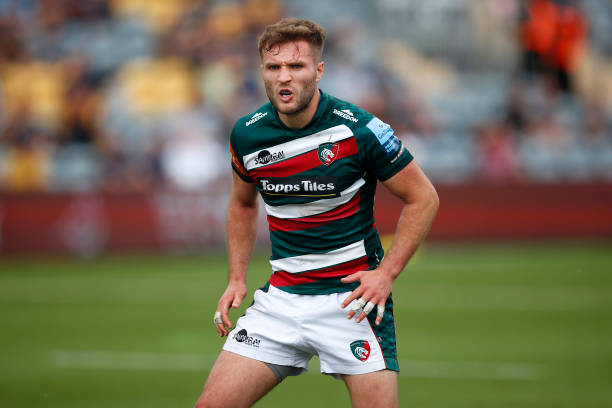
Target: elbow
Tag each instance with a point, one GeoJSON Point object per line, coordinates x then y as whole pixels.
{"type": "Point", "coordinates": [433, 199]}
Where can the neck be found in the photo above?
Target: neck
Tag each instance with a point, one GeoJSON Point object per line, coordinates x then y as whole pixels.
{"type": "Point", "coordinates": [300, 119]}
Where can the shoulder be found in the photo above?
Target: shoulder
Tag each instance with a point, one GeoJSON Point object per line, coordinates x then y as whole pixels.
{"type": "Point", "coordinates": [361, 122]}
{"type": "Point", "coordinates": [254, 120]}
{"type": "Point", "coordinates": [371, 133]}
{"type": "Point", "coordinates": [365, 126]}
{"type": "Point", "coordinates": [349, 114]}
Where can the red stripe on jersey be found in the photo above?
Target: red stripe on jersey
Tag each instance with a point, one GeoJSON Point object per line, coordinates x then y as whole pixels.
{"type": "Point", "coordinates": [294, 224]}
{"type": "Point", "coordinates": [303, 162]}
{"type": "Point", "coordinates": [282, 278]}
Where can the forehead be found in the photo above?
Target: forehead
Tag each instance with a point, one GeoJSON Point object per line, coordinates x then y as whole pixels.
{"type": "Point", "coordinates": [287, 52]}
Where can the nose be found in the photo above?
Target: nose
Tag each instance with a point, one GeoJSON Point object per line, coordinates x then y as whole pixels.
{"type": "Point", "coordinates": [284, 74]}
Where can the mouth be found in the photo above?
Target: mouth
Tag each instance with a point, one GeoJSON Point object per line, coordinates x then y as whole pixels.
{"type": "Point", "coordinates": [285, 94]}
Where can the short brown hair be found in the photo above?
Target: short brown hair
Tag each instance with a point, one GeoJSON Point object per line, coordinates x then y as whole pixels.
{"type": "Point", "coordinates": [292, 29]}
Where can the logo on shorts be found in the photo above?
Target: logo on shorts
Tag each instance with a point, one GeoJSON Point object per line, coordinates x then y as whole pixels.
{"type": "Point", "coordinates": [360, 349]}
{"type": "Point", "coordinates": [243, 337]}
{"type": "Point", "coordinates": [328, 152]}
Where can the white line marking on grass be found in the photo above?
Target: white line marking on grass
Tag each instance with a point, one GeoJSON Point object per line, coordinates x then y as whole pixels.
{"type": "Point", "coordinates": [130, 360]}
{"type": "Point", "coordinates": [149, 361]}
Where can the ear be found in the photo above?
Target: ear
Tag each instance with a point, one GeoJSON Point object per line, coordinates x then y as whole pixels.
{"type": "Point", "coordinates": [320, 70]}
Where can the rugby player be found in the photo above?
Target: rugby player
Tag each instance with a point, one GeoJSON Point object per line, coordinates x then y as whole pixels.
{"type": "Point", "coordinates": [315, 160]}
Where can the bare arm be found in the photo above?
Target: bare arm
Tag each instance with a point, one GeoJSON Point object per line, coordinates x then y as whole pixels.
{"type": "Point", "coordinates": [241, 228]}
{"type": "Point", "coordinates": [420, 207]}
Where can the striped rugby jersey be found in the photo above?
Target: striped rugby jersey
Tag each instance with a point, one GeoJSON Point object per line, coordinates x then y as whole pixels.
{"type": "Point", "coordinates": [318, 185]}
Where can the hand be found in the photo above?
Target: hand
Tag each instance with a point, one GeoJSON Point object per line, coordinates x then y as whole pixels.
{"type": "Point", "coordinates": [233, 295]}
{"type": "Point", "coordinates": [375, 287]}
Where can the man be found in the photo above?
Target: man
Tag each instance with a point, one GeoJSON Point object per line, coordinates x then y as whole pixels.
{"type": "Point", "coordinates": [315, 161]}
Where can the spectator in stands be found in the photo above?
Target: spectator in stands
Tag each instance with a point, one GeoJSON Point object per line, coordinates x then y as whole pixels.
{"type": "Point", "coordinates": [552, 37]}
{"type": "Point", "coordinates": [12, 48]}
{"type": "Point", "coordinates": [496, 152]}
{"type": "Point", "coordinates": [538, 34]}
{"type": "Point", "coordinates": [147, 61]}
{"type": "Point", "coordinates": [80, 124]}
{"type": "Point", "coordinates": [26, 164]}
{"type": "Point", "coordinates": [569, 43]}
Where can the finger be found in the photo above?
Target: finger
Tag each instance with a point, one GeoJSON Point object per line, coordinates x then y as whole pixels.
{"type": "Point", "coordinates": [218, 322]}
{"type": "Point", "coordinates": [351, 278]}
{"type": "Point", "coordinates": [361, 316]}
{"type": "Point", "coordinates": [368, 307]}
{"type": "Point", "coordinates": [358, 304]}
{"type": "Point", "coordinates": [354, 295]}
{"type": "Point", "coordinates": [224, 309]}
{"type": "Point", "coordinates": [221, 329]}
{"type": "Point", "coordinates": [356, 308]}
{"type": "Point", "coordinates": [217, 318]}
{"type": "Point", "coordinates": [380, 312]}
{"type": "Point", "coordinates": [237, 300]}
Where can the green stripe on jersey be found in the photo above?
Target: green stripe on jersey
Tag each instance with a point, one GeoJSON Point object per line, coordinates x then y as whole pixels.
{"type": "Point", "coordinates": [321, 287]}
{"type": "Point", "coordinates": [317, 240]}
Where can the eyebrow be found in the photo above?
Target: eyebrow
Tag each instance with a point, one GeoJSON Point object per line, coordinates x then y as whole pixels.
{"type": "Point", "coordinates": [292, 62]}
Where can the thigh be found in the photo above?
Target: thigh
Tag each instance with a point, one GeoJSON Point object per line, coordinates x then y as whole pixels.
{"type": "Point", "coordinates": [373, 390]}
{"type": "Point", "coordinates": [269, 330]}
{"type": "Point", "coordinates": [236, 381]}
{"type": "Point", "coordinates": [347, 347]}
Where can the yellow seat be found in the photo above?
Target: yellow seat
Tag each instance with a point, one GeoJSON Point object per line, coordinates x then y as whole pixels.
{"type": "Point", "coordinates": [159, 14]}
{"type": "Point", "coordinates": [38, 87]}
{"type": "Point", "coordinates": [158, 86]}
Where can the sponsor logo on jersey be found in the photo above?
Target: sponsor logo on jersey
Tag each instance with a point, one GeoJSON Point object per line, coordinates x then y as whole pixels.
{"type": "Point", "coordinates": [256, 117]}
{"type": "Point", "coordinates": [385, 136]}
{"type": "Point", "coordinates": [243, 337]}
{"type": "Point", "coordinates": [345, 114]}
{"type": "Point", "coordinates": [299, 186]}
{"type": "Point", "coordinates": [328, 152]}
{"type": "Point", "coordinates": [265, 157]}
{"type": "Point", "coordinates": [360, 349]}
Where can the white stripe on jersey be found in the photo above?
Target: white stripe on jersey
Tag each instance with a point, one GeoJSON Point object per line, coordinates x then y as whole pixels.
{"type": "Point", "coordinates": [299, 146]}
{"type": "Point", "coordinates": [287, 211]}
{"type": "Point", "coordinates": [308, 262]}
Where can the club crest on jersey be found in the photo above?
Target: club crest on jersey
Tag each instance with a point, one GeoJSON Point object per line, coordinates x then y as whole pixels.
{"type": "Point", "coordinates": [360, 349]}
{"type": "Point", "coordinates": [328, 152]}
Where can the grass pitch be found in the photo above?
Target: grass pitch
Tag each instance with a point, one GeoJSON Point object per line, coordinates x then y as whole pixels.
{"type": "Point", "coordinates": [495, 325]}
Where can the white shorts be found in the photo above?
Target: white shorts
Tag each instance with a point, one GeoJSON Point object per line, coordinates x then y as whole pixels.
{"type": "Point", "coordinates": [288, 329]}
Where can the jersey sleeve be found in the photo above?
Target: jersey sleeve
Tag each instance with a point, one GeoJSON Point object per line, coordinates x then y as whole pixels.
{"type": "Point", "coordinates": [237, 164]}
{"type": "Point", "coordinates": [383, 152]}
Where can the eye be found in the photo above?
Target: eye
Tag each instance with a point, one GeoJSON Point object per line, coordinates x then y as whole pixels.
{"type": "Point", "coordinates": [273, 67]}
{"type": "Point", "coordinates": [296, 66]}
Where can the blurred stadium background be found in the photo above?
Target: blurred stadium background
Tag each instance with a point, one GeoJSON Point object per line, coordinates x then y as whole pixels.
{"type": "Point", "coordinates": [114, 177]}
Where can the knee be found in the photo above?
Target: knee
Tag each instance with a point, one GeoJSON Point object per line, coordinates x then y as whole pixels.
{"type": "Point", "coordinates": [205, 403]}
{"type": "Point", "coordinates": [208, 401]}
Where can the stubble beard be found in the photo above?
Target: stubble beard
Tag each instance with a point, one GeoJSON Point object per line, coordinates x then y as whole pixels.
{"type": "Point", "coordinates": [303, 99]}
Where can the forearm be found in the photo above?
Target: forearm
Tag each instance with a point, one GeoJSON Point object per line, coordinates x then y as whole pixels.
{"type": "Point", "coordinates": [413, 225]}
{"type": "Point", "coordinates": [241, 229]}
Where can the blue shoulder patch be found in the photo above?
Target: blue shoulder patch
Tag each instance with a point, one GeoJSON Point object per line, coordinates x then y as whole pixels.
{"type": "Point", "coordinates": [385, 136]}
